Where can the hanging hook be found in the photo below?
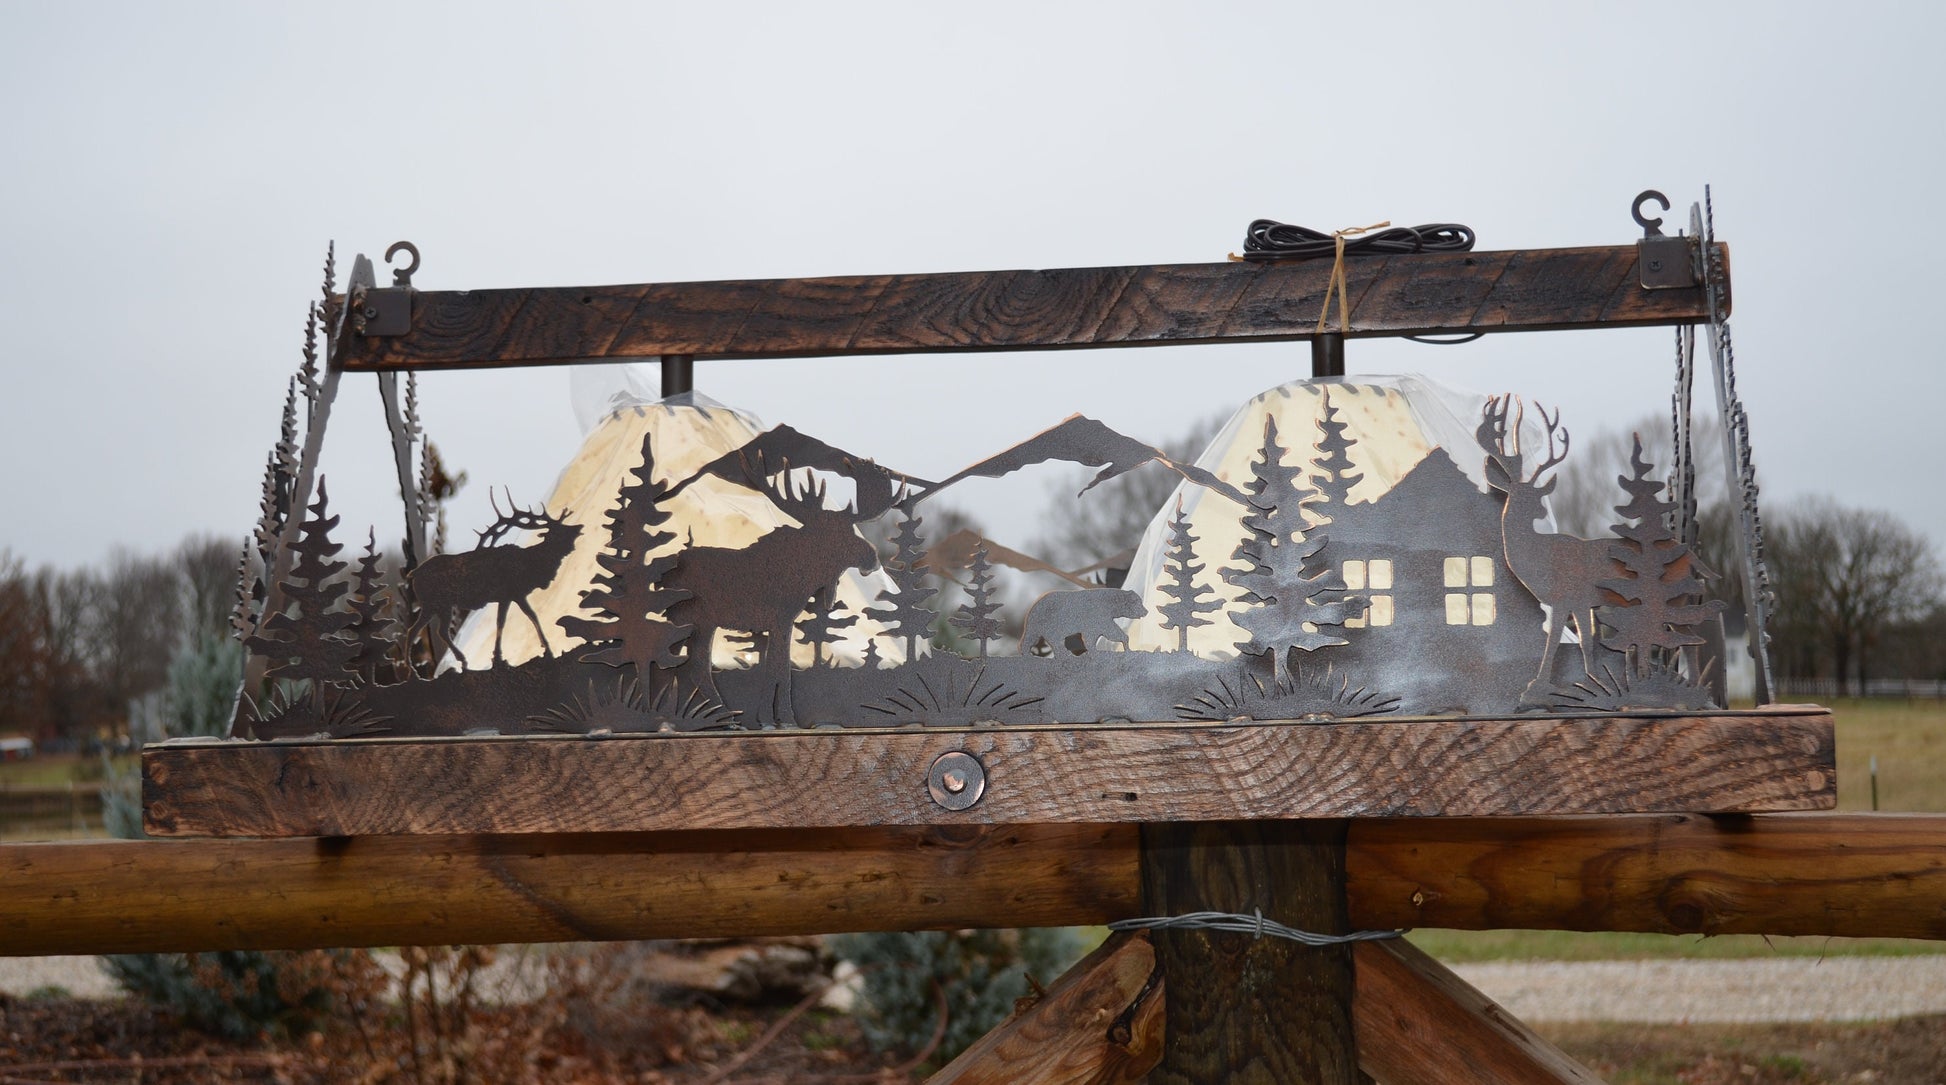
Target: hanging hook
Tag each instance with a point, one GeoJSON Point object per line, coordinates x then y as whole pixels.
{"type": "Point", "coordinates": [403, 276]}
{"type": "Point", "coordinates": [1650, 227]}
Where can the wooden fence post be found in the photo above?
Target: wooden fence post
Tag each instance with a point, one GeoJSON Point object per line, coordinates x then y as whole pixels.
{"type": "Point", "coordinates": [1243, 1009]}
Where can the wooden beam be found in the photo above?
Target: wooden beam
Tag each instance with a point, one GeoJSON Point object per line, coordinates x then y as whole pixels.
{"type": "Point", "coordinates": [1778, 758]}
{"type": "Point", "coordinates": [1253, 1011]}
{"type": "Point", "coordinates": [1848, 875]}
{"type": "Point", "coordinates": [1429, 294]}
{"type": "Point", "coordinates": [1828, 874]}
{"type": "Point", "coordinates": [151, 896]}
{"type": "Point", "coordinates": [1099, 1024]}
{"type": "Point", "coordinates": [1419, 1024]}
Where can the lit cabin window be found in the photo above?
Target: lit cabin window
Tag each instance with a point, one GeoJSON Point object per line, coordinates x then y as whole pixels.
{"type": "Point", "coordinates": [1373, 579]}
{"type": "Point", "coordinates": [1475, 607]}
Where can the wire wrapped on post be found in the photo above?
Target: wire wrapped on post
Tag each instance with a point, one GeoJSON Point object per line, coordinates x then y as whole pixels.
{"type": "Point", "coordinates": [1253, 924]}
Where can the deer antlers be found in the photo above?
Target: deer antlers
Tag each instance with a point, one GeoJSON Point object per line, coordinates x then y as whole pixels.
{"type": "Point", "coordinates": [1502, 443]}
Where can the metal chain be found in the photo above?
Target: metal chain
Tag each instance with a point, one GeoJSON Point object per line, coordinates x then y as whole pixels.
{"type": "Point", "coordinates": [1760, 599]}
{"type": "Point", "coordinates": [1682, 477]}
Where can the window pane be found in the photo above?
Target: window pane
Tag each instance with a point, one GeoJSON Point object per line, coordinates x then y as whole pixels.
{"type": "Point", "coordinates": [1483, 572]}
{"type": "Point", "coordinates": [1381, 578]}
{"type": "Point", "coordinates": [1354, 575]}
{"type": "Point", "coordinates": [1381, 612]}
{"type": "Point", "coordinates": [1455, 606]}
{"type": "Point", "coordinates": [1483, 608]}
{"type": "Point", "coordinates": [1456, 572]}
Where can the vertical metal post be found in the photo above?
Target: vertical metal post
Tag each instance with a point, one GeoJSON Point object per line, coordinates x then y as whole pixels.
{"type": "Point", "coordinates": [1328, 355]}
{"type": "Point", "coordinates": [678, 374]}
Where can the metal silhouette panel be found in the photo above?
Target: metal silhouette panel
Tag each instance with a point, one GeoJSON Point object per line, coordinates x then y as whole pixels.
{"type": "Point", "coordinates": [1325, 564]}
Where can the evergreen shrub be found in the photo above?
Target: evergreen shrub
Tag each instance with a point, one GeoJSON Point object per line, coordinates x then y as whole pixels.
{"type": "Point", "coordinates": [979, 973]}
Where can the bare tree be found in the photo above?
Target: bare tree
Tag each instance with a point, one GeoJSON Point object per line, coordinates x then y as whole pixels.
{"type": "Point", "coordinates": [208, 564]}
{"type": "Point", "coordinates": [23, 649]}
{"type": "Point", "coordinates": [1845, 578]}
{"type": "Point", "coordinates": [135, 626]}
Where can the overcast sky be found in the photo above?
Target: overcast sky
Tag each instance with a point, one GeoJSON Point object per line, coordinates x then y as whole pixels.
{"type": "Point", "coordinates": [173, 172]}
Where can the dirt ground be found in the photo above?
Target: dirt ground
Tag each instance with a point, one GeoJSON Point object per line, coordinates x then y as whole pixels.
{"type": "Point", "coordinates": [79, 1041]}
{"type": "Point", "coordinates": [71, 1041]}
{"type": "Point", "coordinates": [1909, 1051]}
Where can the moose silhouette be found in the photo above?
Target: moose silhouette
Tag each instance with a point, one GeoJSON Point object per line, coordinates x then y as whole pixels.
{"type": "Point", "coordinates": [491, 572]}
{"type": "Point", "coordinates": [763, 587]}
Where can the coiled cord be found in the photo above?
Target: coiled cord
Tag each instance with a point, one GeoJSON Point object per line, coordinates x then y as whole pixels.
{"type": "Point", "coordinates": [1268, 239]}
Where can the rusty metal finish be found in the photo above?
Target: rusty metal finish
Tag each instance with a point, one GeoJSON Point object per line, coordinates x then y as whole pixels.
{"type": "Point", "coordinates": [1433, 596]}
{"type": "Point", "coordinates": [493, 573]}
{"type": "Point", "coordinates": [646, 662]}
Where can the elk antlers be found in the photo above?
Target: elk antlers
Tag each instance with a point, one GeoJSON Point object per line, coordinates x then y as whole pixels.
{"type": "Point", "coordinates": [516, 516]}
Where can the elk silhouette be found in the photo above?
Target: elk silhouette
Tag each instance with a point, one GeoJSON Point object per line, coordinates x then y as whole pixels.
{"type": "Point", "coordinates": [1562, 571]}
{"type": "Point", "coordinates": [491, 572]}
{"type": "Point", "coordinates": [763, 587]}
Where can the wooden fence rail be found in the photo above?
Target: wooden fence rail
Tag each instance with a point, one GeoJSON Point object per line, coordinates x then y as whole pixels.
{"type": "Point", "coordinates": [1819, 874]}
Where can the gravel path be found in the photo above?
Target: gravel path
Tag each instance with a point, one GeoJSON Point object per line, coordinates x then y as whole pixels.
{"type": "Point", "coordinates": [1773, 989]}
{"type": "Point", "coordinates": [1766, 989]}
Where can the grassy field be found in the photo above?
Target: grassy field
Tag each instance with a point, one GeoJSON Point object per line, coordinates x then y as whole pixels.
{"type": "Point", "coordinates": [1462, 947]}
{"type": "Point", "coordinates": [1909, 739]}
{"type": "Point", "coordinates": [52, 815]}
{"type": "Point", "coordinates": [52, 770]}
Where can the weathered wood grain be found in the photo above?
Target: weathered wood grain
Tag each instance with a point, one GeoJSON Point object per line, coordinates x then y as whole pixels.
{"type": "Point", "coordinates": [1254, 1011]}
{"type": "Point", "coordinates": [154, 896]}
{"type": "Point", "coordinates": [1099, 1024]}
{"type": "Point", "coordinates": [1848, 875]}
{"type": "Point", "coordinates": [1774, 759]}
{"type": "Point", "coordinates": [1532, 290]}
{"type": "Point", "coordinates": [1842, 874]}
{"type": "Point", "coordinates": [1419, 1024]}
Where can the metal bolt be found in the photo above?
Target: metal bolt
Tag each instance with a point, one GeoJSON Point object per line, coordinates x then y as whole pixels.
{"type": "Point", "coordinates": [1655, 265]}
{"type": "Point", "coordinates": [956, 780]}
{"type": "Point", "coordinates": [371, 311]}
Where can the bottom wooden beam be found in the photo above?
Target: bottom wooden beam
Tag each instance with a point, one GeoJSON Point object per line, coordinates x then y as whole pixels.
{"type": "Point", "coordinates": [1416, 1024]}
{"type": "Point", "coordinates": [1820, 874]}
{"type": "Point", "coordinates": [148, 896]}
{"type": "Point", "coordinates": [1419, 1024]}
{"type": "Point", "coordinates": [1856, 875]}
{"type": "Point", "coordinates": [1099, 1024]}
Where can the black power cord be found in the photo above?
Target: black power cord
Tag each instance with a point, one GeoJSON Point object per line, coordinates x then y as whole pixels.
{"type": "Point", "coordinates": [1268, 239]}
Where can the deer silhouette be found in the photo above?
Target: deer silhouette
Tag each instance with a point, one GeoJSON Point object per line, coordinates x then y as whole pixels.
{"type": "Point", "coordinates": [763, 587]}
{"type": "Point", "coordinates": [1562, 571]}
{"type": "Point", "coordinates": [491, 572]}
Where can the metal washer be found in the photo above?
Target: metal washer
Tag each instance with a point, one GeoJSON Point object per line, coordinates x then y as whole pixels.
{"type": "Point", "coordinates": [957, 780]}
